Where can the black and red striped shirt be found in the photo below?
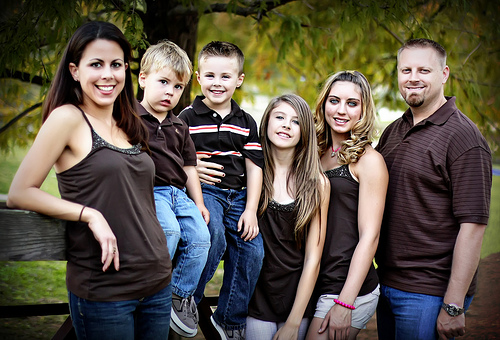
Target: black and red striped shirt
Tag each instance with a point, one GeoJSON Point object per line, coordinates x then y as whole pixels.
{"type": "Point", "coordinates": [227, 140]}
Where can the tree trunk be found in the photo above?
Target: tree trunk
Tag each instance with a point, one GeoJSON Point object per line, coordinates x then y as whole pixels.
{"type": "Point", "coordinates": [160, 23]}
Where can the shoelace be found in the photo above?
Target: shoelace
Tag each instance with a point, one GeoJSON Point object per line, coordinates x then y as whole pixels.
{"type": "Point", "coordinates": [192, 309]}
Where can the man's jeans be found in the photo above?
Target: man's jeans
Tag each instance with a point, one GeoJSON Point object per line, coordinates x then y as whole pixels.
{"type": "Point", "coordinates": [409, 316]}
{"type": "Point", "coordinates": [242, 260]}
{"type": "Point", "coordinates": [145, 318]}
{"type": "Point", "coordinates": [188, 239]}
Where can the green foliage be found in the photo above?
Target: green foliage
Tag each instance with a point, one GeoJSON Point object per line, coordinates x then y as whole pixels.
{"type": "Point", "coordinates": [16, 96]}
{"type": "Point", "coordinates": [304, 42]}
{"type": "Point", "coordinates": [491, 239]}
{"type": "Point", "coordinates": [289, 48]}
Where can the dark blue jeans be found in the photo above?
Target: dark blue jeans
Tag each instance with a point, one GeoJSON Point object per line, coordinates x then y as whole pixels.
{"type": "Point", "coordinates": [145, 318]}
{"type": "Point", "coordinates": [242, 260]}
{"type": "Point", "coordinates": [408, 316]}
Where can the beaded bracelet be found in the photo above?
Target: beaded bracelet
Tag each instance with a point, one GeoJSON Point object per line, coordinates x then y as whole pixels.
{"type": "Point", "coordinates": [343, 304]}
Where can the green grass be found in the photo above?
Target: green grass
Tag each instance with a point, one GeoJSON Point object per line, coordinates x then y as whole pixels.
{"type": "Point", "coordinates": [23, 283]}
{"type": "Point", "coordinates": [8, 167]}
{"type": "Point", "coordinates": [44, 282]}
{"type": "Point", "coordinates": [491, 240]}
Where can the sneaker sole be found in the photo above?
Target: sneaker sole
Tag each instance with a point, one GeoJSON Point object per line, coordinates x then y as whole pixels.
{"type": "Point", "coordinates": [177, 326]}
{"type": "Point", "coordinates": [218, 328]}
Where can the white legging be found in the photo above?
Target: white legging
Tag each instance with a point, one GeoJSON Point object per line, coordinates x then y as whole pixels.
{"type": "Point", "coordinates": [265, 330]}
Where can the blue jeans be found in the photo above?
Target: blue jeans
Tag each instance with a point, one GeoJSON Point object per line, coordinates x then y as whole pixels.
{"type": "Point", "coordinates": [187, 237]}
{"type": "Point", "coordinates": [242, 261]}
{"type": "Point", "coordinates": [145, 318]}
{"type": "Point", "coordinates": [408, 316]}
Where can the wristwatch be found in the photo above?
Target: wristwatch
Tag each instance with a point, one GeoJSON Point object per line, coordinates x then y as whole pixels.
{"type": "Point", "coordinates": [452, 309]}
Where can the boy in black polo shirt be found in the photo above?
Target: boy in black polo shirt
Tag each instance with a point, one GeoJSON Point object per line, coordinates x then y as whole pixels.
{"type": "Point", "coordinates": [231, 183]}
{"type": "Point", "coordinates": [165, 71]}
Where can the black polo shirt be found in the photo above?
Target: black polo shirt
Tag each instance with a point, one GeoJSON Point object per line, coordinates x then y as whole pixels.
{"type": "Point", "coordinates": [439, 177]}
{"type": "Point", "coordinates": [227, 140]}
{"type": "Point", "coordinates": [171, 148]}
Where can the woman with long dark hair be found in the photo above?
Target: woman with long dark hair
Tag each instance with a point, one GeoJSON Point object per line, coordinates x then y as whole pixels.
{"type": "Point", "coordinates": [119, 269]}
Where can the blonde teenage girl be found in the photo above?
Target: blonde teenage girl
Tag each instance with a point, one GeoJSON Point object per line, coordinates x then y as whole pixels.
{"type": "Point", "coordinates": [347, 285]}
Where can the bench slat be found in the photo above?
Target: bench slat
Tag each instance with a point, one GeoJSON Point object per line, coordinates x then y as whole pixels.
{"type": "Point", "coordinates": [29, 236]}
{"type": "Point", "coordinates": [18, 311]}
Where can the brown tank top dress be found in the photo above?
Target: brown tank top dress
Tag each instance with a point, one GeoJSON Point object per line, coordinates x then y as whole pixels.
{"type": "Point", "coordinates": [341, 236]}
{"type": "Point", "coordinates": [118, 183]}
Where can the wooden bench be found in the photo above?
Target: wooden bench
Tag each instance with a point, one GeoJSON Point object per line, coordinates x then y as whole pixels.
{"type": "Point", "coordinates": [29, 236]}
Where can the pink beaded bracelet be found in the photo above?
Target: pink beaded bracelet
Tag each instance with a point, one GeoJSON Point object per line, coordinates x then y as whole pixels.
{"type": "Point", "coordinates": [343, 304]}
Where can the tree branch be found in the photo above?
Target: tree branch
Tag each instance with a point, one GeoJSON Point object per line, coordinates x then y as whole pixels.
{"type": "Point", "coordinates": [394, 35]}
{"type": "Point", "coordinates": [471, 53]}
{"type": "Point", "coordinates": [19, 116]}
{"type": "Point", "coordinates": [472, 81]}
{"type": "Point", "coordinates": [26, 77]}
{"type": "Point", "coordinates": [252, 8]}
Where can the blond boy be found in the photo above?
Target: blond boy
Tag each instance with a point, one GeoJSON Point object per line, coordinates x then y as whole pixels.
{"type": "Point", "coordinates": [165, 71]}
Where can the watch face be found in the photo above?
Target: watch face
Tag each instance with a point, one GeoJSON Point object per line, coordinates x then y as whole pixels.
{"type": "Point", "coordinates": [453, 309]}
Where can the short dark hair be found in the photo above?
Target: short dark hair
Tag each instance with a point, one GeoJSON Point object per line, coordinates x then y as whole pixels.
{"type": "Point", "coordinates": [223, 49]}
{"type": "Point", "coordinates": [422, 42]}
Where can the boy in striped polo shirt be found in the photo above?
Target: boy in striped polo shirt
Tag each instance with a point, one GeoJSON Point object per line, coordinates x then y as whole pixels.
{"type": "Point", "coordinates": [231, 183]}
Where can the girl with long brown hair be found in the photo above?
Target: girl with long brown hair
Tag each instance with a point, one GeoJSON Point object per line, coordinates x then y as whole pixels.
{"type": "Point", "coordinates": [292, 220]}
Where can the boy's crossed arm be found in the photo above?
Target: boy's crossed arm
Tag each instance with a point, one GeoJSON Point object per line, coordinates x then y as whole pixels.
{"type": "Point", "coordinates": [209, 173]}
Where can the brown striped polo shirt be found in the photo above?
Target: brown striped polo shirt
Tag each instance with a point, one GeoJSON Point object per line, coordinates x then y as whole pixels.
{"type": "Point", "coordinates": [439, 177]}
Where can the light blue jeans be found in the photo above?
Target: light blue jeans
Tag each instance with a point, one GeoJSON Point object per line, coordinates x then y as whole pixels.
{"type": "Point", "coordinates": [242, 259]}
{"type": "Point", "coordinates": [409, 316]}
{"type": "Point", "coordinates": [188, 239]}
{"type": "Point", "coordinates": [145, 318]}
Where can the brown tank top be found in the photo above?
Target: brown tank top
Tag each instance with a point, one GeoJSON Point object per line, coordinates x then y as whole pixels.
{"type": "Point", "coordinates": [282, 267]}
{"type": "Point", "coordinates": [341, 235]}
{"type": "Point", "coordinates": [119, 183]}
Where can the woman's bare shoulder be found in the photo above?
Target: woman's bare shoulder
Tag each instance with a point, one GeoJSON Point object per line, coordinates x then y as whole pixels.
{"type": "Point", "coordinates": [65, 117]}
{"type": "Point", "coordinates": [371, 156]}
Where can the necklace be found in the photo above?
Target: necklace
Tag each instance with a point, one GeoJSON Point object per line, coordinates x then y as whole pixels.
{"type": "Point", "coordinates": [334, 152]}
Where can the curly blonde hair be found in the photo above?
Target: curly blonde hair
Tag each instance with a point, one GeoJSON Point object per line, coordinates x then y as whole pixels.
{"type": "Point", "coordinates": [362, 132]}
